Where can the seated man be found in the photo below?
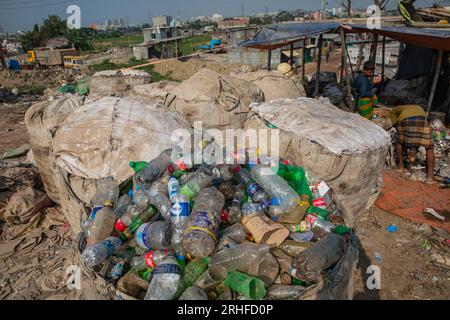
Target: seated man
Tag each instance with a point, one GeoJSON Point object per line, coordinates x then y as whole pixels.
{"type": "Point", "coordinates": [365, 96]}
{"type": "Point", "coordinates": [415, 131]}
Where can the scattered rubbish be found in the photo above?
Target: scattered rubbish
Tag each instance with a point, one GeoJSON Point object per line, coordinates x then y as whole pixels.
{"type": "Point", "coordinates": [392, 228]}
{"type": "Point", "coordinates": [17, 152]}
{"type": "Point", "coordinates": [434, 214]}
{"type": "Point", "coordinates": [377, 257]}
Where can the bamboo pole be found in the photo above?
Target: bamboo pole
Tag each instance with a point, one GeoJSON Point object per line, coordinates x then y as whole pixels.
{"type": "Point", "coordinates": [319, 60]}
{"type": "Point", "coordinates": [303, 60]}
{"type": "Point", "coordinates": [435, 79]}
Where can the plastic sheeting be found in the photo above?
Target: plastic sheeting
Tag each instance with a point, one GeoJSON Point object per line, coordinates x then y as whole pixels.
{"type": "Point", "coordinates": [278, 35]}
{"type": "Point", "coordinates": [337, 131]}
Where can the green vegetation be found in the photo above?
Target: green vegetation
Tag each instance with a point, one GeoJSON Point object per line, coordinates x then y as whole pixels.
{"type": "Point", "coordinates": [107, 65]}
{"type": "Point", "coordinates": [32, 89]}
{"type": "Point", "coordinates": [104, 43]}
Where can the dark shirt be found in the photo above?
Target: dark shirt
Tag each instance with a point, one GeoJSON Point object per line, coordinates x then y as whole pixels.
{"type": "Point", "coordinates": [363, 87]}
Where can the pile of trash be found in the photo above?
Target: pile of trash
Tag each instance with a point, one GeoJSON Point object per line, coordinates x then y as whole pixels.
{"type": "Point", "coordinates": [218, 231]}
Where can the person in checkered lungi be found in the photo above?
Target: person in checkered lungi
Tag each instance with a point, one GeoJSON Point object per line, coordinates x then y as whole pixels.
{"type": "Point", "coordinates": [366, 99]}
{"type": "Point", "coordinates": [413, 131]}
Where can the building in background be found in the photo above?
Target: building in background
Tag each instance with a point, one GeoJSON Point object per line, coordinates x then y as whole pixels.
{"type": "Point", "coordinates": [234, 23]}
{"type": "Point", "coordinates": [162, 21]}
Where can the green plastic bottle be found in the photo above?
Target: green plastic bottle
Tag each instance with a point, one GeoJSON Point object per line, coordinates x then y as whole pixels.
{"type": "Point", "coordinates": [296, 179]}
{"type": "Point", "coordinates": [192, 272]}
{"type": "Point", "coordinates": [144, 217]}
{"type": "Point", "coordinates": [137, 166]}
{"type": "Point", "coordinates": [248, 286]}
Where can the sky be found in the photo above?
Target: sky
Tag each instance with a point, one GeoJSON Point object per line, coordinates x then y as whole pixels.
{"type": "Point", "coordinates": [23, 14]}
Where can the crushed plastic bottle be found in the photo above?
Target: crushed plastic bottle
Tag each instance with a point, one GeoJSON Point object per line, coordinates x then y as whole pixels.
{"type": "Point", "coordinates": [154, 169]}
{"type": "Point", "coordinates": [146, 216]}
{"type": "Point", "coordinates": [200, 237]}
{"type": "Point", "coordinates": [197, 181]}
{"type": "Point", "coordinates": [154, 235]}
{"type": "Point", "coordinates": [179, 215]}
{"type": "Point", "coordinates": [150, 259]}
{"type": "Point", "coordinates": [234, 213]}
{"type": "Point", "coordinates": [248, 286]}
{"type": "Point", "coordinates": [254, 190]}
{"type": "Point", "coordinates": [194, 293]}
{"type": "Point", "coordinates": [249, 209]}
{"type": "Point", "coordinates": [96, 254]}
{"type": "Point", "coordinates": [165, 281]}
{"type": "Point", "coordinates": [121, 207]}
{"type": "Point", "coordinates": [103, 224]}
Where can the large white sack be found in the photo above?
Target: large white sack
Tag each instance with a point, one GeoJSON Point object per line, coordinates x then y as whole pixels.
{"type": "Point", "coordinates": [218, 101]}
{"type": "Point", "coordinates": [99, 140]}
{"type": "Point", "coordinates": [343, 149]}
{"type": "Point", "coordinates": [274, 85]}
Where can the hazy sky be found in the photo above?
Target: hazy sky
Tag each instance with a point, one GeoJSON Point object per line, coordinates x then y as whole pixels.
{"type": "Point", "coordinates": [23, 14]}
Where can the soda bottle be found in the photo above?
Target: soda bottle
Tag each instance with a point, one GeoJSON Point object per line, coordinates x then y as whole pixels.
{"type": "Point", "coordinates": [317, 199]}
{"type": "Point", "coordinates": [150, 259]}
{"type": "Point", "coordinates": [253, 189]}
{"type": "Point", "coordinates": [192, 273]}
{"type": "Point", "coordinates": [295, 177]}
{"type": "Point", "coordinates": [154, 235]}
{"type": "Point", "coordinates": [97, 253]}
{"type": "Point", "coordinates": [317, 222]}
{"type": "Point", "coordinates": [244, 257]}
{"type": "Point", "coordinates": [138, 166]}
{"type": "Point", "coordinates": [121, 207]}
{"type": "Point", "coordinates": [194, 293]}
{"type": "Point", "coordinates": [144, 217]}
{"type": "Point", "coordinates": [165, 281]}
{"type": "Point", "coordinates": [284, 198]}
{"type": "Point", "coordinates": [200, 236]}
{"type": "Point", "coordinates": [310, 263]}
{"type": "Point", "coordinates": [179, 215]}
{"type": "Point", "coordinates": [248, 286]}
{"type": "Point", "coordinates": [103, 224]}
{"type": "Point", "coordinates": [196, 182]}
{"type": "Point", "coordinates": [153, 170]}
{"type": "Point", "coordinates": [133, 211]}
{"type": "Point", "coordinates": [234, 211]}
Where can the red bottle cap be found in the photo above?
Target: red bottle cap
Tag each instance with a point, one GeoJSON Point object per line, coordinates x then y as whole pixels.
{"type": "Point", "coordinates": [120, 226]}
{"type": "Point", "coordinates": [224, 215]}
{"type": "Point", "coordinates": [170, 169]}
{"type": "Point", "coordinates": [235, 169]}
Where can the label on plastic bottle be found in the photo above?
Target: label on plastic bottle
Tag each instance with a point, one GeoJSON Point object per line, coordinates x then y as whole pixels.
{"type": "Point", "coordinates": [120, 226]}
{"type": "Point", "coordinates": [275, 201]}
{"type": "Point", "coordinates": [110, 247]}
{"type": "Point", "coordinates": [141, 236]}
{"type": "Point", "coordinates": [187, 192]}
{"type": "Point", "coordinates": [323, 188]}
{"type": "Point", "coordinates": [320, 203]}
{"type": "Point", "coordinates": [167, 268]}
{"type": "Point", "coordinates": [94, 212]}
{"type": "Point", "coordinates": [203, 224]}
{"type": "Point", "coordinates": [311, 218]}
{"type": "Point", "coordinates": [180, 209]}
{"type": "Point", "coordinates": [303, 226]}
{"type": "Point", "coordinates": [252, 189]}
{"type": "Point", "coordinates": [149, 259]}
{"type": "Point", "coordinates": [174, 187]}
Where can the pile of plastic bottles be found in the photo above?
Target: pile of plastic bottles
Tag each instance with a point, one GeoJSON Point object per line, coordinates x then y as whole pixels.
{"type": "Point", "coordinates": [213, 231]}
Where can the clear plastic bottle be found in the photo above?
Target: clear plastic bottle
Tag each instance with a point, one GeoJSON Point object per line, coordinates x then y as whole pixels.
{"type": "Point", "coordinates": [194, 293]}
{"type": "Point", "coordinates": [121, 207]}
{"type": "Point", "coordinates": [234, 211]}
{"type": "Point", "coordinates": [317, 200]}
{"type": "Point", "coordinates": [249, 209]}
{"type": "Point", "coordinates": [221, 173]}
{"type": "Point", "coordinates": [151, 213]}
{"type": "Point", "coordinates": [254, 190]}
{"type": "Point", "coordinates": [157, 196]}
{"type": "Point", "coordinates": [284, 198]}
{"type": "Point", "coordinates": [165, 281]}
{"type": "Point", "coordinates": [315, 221]}
{"type": "Point", "coordinates": [154, 235]}
{"type": "Point", "coordinates": [140, 199]}
{"type": "Point", "coordinates": [245, 257]}
{"type": "Point", "coordinates": [150, 259]}
{"type": "Point", "coordinates": [133, 211]}
{"type": "Point", "coordinates": [154, 169]}
{"type": "Point", "coordinates": [196, 182]}
{"type": "Point", "coordinates": [96, 254]}
{"type": "Point", "coordinates": [310, 263]}
{"type": "Point", "coordinates": [235, 232]}
{"type": "Point", "coordinates": [200, 236]}
{"type": "Point", "coordinates": [103, 224]}
{"type": "Point", "coordinates": [285, 292]}
{"type": "Point", "coordinates": [179, 216]}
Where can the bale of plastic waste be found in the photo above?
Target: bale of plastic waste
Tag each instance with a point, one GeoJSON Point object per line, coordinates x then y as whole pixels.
{"type": "Point", "coordinates": [117, 82]}
{"type": "Point", "coordinates": [274, 85]}
{"type": "Point", "coordinates": [42, 120]}
{"type": "Point", "coordinates": [341, 148]}
{"type": "Point", "coordinates": [155, 92]}
{"type": "Point", "coordinates": [100, 139]}
{"type": "Point", "coordinates": [218, 101]}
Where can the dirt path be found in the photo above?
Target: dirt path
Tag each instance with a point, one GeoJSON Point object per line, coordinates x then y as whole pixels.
{"type": "Point", "coordinates": [13, 132]}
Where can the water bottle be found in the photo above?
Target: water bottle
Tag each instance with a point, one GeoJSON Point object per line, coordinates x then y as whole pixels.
{"type": "Point", "coordinates": [244, 257]}
{"type": "Point", "coordinates": [234, 211]}
{"type": "Point", "coordinates": [315, 221]}
{"type": "Point", "coordinates": [140, 199]}
{"type": "Point", "coordinates": [150, 259]}
{"type": "Point", "coordinates": [235, 232]}
{"type": "Point", "coordinates": [221, 173]}
{"type": "Point", "coordinates": [249, 209]}
{"type": "Point", "coordinates": [154, 235]}
{"type": "Point", "coordinates": [165, 281]}
{"type": "Point", "coordinates": [157, 196]}
{"type": "Point", "coordinates": [179, 215]}
{"type": "Point", "coordinates": [200, 236]}
{"type": "Point", "coordinates": [253, 189]}
{"type": "Point", "coordinates": [103, 224]}
{"type": "Point", "coordinates": [133, 211]}
{"type": "Point", "coordinates": [196, 182]}
{"type": "Point", "coordinates": [284, 198]}
{"type": "Point", "coordinates": [191, 274]}
{"type": "Point", "coordinates": [106, 189]}
{"type": "Point", "coordinates": [310, 263]}
{"type": "Point", "coordinates": [96, 254]}
{"type": "Point", "coordinates": [146, 216]}
{"type": "Point", "coordinates": [121, 207]}
{"type": "Point", "coordinates": [154, 169]}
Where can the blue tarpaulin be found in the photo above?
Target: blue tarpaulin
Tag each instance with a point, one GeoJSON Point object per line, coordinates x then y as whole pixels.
{"type": "Point", "coordinates": [279, 35]}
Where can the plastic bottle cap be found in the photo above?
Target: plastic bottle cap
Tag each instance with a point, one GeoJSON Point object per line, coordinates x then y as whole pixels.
{"type": "Point", "coordinates": [235, 169]}
{"type": "Point", "coordinates": [132, 163]}
{"type": "Point", "coordinates": [109, 203]}
{"type": "Point", "coordinates": [170, 169]}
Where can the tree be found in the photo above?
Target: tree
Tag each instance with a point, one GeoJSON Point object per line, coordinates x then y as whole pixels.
{"type": "Point", "coordinates": [347, 4]}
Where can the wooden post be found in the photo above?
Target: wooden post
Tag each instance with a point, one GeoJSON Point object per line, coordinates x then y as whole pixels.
{"type": "Point", "coordinates": [319, 60]}
{"type": "Point", "coordinates": [269, 59]}
{"type": "Point", "coordinates": [383, 60]}
{"type": "Point", "coordinates": [374, 54]}
{"type": "Point", "coordinates": [435, 80]}
{"type": "Point", "coordinates": [176, 48]}
{"type": "Point", "coordinates": [303, 59]}
{"type": "Point", "coordinates": [292, 54]}
{"type": "Point", "coordinates": [344, 50]}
